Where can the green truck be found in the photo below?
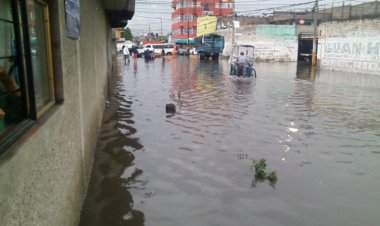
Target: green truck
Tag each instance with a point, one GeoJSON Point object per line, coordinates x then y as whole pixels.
{"type": "Point", "coordinates": [210, 45]}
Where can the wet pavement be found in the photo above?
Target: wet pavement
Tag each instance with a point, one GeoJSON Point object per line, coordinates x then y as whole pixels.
{"type": "Point", "coordinates": [319, 131]}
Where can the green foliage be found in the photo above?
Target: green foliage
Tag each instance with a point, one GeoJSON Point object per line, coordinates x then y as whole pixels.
{"type": "Point", "coordinates": [260, 171]}
{"type": "Point", "coordinates": [272, 177]}
{"type": "Point", "coordinates": [260, 174]}
{"type": "Point", "coordinates": [163, 38]}
{"type": "Point", "coordinates": [260, 165]}
{"type": "Point", "coordinates": [127, 34]}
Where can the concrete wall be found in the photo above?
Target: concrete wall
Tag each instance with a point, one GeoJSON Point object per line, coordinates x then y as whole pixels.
{"type": "Point", "coordinates": [350, 46]}
{"type": "Point", "coordinates": [272, 42]}
{"type": "Point", "coordinates": [345, 11]}
{"type": "Point", "coordinates": [338, 10]}
{"type": "Point", "coordinates": [45, 179]}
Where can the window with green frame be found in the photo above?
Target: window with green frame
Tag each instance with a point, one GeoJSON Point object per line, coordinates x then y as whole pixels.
{"type": "Point", "coordinates": [26, 72]}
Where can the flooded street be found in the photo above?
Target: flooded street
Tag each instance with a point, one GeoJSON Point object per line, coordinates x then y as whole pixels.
{"type": "Point", "coordinates": [320, 133]}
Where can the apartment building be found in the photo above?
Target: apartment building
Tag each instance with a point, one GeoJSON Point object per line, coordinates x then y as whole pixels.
{"type": "Point", "coordinates": [186, 13]}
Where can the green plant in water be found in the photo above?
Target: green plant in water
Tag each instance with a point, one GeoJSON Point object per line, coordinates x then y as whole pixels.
{"type": "Point", "coordinates": [272, 177]}
{"type": "Point", "coordinates": [260, 171]}
{"type": "Point", "coordinates": [260, 174]}
{"type": "Point", "coordinates": [260, 165]}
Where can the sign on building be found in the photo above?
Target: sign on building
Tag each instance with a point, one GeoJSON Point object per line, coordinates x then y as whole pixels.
{"type": "Point", "coordinates": [236, 23]}
{"type": "Point", "coordinates": [206, 25]}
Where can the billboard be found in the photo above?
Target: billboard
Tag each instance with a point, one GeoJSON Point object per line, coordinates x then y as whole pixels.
{"type": "Point", "coordinates": [206, 25]}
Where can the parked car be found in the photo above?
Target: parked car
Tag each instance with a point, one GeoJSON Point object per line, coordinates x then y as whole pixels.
{"type": "Point", "coordinates": [139, 49]}
{"type": "Point", "coordinates": [193, 51]}
{"type": "Point", "coordinates": [157, 48]}
{"type": "Point", "coordinates": [182, 51]}
{"type": "Point", "coordinates": [128, 44]}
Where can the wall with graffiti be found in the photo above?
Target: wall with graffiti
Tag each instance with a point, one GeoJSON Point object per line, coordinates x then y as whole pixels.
{"type": "Point", "coordinates": [272, 42]}
{"type": "Point", "coordinates": [276, 43]}
{"type": "Point", "coordinates": [350, 46]}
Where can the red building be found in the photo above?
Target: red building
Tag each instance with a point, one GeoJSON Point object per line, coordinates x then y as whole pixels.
{"type": "Point", "coordinates": [186, 13]}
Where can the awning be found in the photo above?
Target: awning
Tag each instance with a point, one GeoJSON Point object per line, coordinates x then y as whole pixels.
{"type": "Point", "coordinates": [119, 12]}
{"type": "Point", "coordinates": [184, 41]}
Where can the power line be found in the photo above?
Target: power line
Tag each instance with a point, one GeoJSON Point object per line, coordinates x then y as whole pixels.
{"type": "Point", "coordinates": [279, 7]}
{"type": "Point", "coordinates": [248, 9]}
{"type": "Point", "coordinates": [151, 17]}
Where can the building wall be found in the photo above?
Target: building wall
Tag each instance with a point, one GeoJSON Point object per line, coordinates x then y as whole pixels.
{"type": "Point", "coordinates": [350, 46]}
{"type": "Point", "coordinates": [117, 32]}
{"type": "Point", "coordinates": [44, 179]}
{"type": "Point", "coordinates": [345, 11]}
{"type": "Point", "coordinates": [272, 42]}
{"type": "Point", "coordinates": [191, 8]}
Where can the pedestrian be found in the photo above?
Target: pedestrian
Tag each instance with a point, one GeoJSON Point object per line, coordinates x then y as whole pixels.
{"type": "Point", "coordinates": [163, 54]}
{"type": "Point", "coordinates": [135, 54]}
{"type": "Point", "coordinates": [126, 55]}
{"type": "Point", "coordinates": [133, 51]}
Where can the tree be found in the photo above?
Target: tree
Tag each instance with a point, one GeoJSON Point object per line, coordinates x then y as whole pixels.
{"type": "Point", "coordinates": [164, 38]}
{"type": "Point", "coordinates": [127, 34]}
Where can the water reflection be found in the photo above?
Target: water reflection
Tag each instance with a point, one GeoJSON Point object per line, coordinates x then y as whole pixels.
{"type": "Point", "coordinates": [305, 71]}
{"type": "Point", "coordinates": [319, 132]}
{"type": "Point", "coordinates": [256, 181]}
{"type": "Point", "coordinates": [135, 67]}
{"type": "Point", "coordinates": [108, 200]}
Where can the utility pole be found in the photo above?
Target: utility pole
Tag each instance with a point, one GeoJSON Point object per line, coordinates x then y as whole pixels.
{"type": "Point", "coordinates": [188, 30]}
{"type": "Point", "coordinates": [233, 30]}
{"type": "Point", "coordinates": [314, 53]}
{"type": "Point", "coordinates": [149, 31]}
{"type": "Point", "coordinates": [188, 34]}
{"type": "Point", "coordinates": [161, 27]}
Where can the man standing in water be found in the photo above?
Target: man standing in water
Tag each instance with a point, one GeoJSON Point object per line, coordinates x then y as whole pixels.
{"type": "Point", "coordinates": [243, 62]}
{"type": "Point", "coordinates": [126, 55]}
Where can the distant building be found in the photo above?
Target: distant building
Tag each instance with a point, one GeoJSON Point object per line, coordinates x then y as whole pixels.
{"type": "Point", "coordinates": [117, 32]}
{"type": "Point", "coordinates": [186, 12]}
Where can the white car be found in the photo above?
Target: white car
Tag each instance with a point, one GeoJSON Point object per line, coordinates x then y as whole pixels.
{"type": "Point", "coordinates": [128, 44]}
{"type": "Point", "coordinates": [193, 51]}
{"type": "Point", "coordinates": [157, 48]}
{"type": "Point", "coordinates": [140, 51]}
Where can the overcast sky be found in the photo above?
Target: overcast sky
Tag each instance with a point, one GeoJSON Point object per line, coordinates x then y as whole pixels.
{"type": "Point", "coordinates": [150, 14]}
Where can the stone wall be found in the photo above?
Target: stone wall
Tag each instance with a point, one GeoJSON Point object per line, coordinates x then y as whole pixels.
{"type": "Point", "coordinates": [350, 46]}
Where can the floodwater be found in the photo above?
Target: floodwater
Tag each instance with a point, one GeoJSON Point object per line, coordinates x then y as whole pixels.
{"type": "Point", "coordinates": [319, 131]}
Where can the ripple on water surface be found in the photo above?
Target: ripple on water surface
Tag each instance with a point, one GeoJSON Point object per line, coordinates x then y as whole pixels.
{"type": "Point", "coordinates": [319, 132]}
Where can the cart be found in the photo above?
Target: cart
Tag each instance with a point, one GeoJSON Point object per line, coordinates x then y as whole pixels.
{"type": "Point", "coordinates": [238, 68]}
